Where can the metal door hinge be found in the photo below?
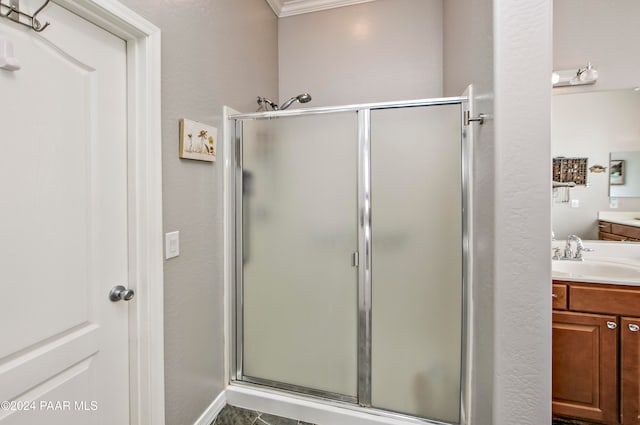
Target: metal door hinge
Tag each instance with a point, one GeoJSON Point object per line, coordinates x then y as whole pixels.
{"type": "Point", "coordinates": [469, 119]}
{"type": "Point", "coordinates": [14, 5]}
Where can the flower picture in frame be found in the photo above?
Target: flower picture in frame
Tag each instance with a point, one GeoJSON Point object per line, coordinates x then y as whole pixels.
{"type": "Point", "coordinates": [197, 140]}
{"type": "Point", "coordinates": [616, 172]}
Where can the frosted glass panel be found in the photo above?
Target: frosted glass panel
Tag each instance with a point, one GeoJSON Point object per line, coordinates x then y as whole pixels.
{"type": "Point", "coordinates": [417, 261]}
{"type": "Point", "coordinates": [300, 231]}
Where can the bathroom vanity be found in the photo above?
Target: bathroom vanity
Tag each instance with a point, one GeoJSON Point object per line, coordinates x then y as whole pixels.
{"type": "Point", "coordinates": [596, 352]}
{"type": "Point", "coordinates": [596, 337]}
{"type": "Point", "coordinates": [619, 226]}
{"type": "Point", "coordinates": [608, 231]}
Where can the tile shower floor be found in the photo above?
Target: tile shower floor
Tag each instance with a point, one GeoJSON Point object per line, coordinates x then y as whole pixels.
{"type": "Point", "coordinates": [230, 415]}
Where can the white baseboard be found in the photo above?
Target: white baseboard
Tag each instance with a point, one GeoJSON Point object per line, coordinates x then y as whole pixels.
{"type": "Point", "coordinates": [212, 411]}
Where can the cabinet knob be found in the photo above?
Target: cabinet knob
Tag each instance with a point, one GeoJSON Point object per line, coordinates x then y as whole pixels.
{"type": "Point", "coordinates": [612, 325]}
{"type": "Point", "coordinates": [554, 295]}
{"type": "Point", "coordinates": [633, 327]}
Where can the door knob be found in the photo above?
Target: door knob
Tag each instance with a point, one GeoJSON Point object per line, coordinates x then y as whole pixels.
{"type": "Point", "coordinates": [119, 292]}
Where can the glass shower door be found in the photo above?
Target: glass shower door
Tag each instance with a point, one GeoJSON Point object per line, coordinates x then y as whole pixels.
{"type": "Point", "coordinates": [299, 233]}
{"type": "Point", "coordinates": [416, 192]}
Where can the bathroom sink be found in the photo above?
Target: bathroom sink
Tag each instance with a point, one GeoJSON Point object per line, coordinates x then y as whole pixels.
{"type": "Point", "coordinates": [594, 269]}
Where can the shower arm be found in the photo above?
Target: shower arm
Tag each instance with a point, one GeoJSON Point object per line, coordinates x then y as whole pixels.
{"type": "Point", "coordinates": [288, 103]}
{"type": "Point", "coordinates": [263, 101]}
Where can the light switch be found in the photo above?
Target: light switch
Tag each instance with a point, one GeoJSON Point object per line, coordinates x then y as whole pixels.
{"type": "Point", "coordinates": [613, 202]}
{"type": "Point", "coordinates": [575, 203]}
{"type": "Point", "coordinates": [171, 245]}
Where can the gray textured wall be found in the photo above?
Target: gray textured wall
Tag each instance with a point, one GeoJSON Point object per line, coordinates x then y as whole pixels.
{"type": "Point", "coordinates": [214, 53]}
{"type": "Point", "coordinates": [380, 51]}
{"type": "Point", "coordinates": [522, 301]}
{"type": "Point", "coordinates": [492, 43]}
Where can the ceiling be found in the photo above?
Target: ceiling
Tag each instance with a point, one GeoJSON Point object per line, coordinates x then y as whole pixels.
{"type": "Point", "coordinates": [284, 8]}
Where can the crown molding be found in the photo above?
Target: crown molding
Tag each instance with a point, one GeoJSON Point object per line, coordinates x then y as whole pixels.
{"type": "Point", "coordinates": [276, 5]}
{"type": "Point", "coordinates": [284, 8]}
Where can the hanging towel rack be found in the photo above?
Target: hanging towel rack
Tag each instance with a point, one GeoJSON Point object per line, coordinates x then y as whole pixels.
{"type": "Point", "coordinates": [13, 12]}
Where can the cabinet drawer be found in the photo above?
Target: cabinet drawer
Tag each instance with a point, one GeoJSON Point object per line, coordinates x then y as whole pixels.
{"type": "Point", "coordinates": [604, 226]}
{"type": "Point", "coordinates": [559, 297]}
{"type": "Point", "coordinates": [605, 300]}
{"type": "Point", "coordinates": [630, 232]}
{"type": "Point", "coordinates": [604, 236]}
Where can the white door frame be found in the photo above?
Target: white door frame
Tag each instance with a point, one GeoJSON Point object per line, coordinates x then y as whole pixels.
{"type": "Point", "coordinates": [146, 330]}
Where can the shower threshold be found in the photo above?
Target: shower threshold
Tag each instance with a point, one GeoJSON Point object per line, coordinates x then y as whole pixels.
{"type": "Point", "coordinates": [313, 409]}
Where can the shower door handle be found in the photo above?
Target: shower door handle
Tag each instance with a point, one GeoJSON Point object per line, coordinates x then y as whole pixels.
{"type": "Point", "coordinates": [355, 259]}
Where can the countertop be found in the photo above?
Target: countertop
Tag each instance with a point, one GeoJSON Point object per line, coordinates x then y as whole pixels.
{"type": "Point", "coordinates": [620, 217]}
{"type": "Point", "coordinates": [624, 253]}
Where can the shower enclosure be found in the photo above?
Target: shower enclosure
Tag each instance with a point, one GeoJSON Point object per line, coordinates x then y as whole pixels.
{"type": "Point", "coordinates": [351, 254]}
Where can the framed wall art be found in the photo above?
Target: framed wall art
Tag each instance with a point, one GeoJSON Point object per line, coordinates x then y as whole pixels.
{"type": "Point", "coordinates": [197, 140]}
{"type": "Point", "coordinates": [616, 172]}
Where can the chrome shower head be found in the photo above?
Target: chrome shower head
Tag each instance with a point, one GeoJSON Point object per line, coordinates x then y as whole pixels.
{"type": "Point", "coordinates": [302, 98]}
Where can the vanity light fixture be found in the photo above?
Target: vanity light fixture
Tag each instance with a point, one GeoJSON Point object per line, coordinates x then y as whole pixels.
{"type": "Point", "coordinates": [572, 77]}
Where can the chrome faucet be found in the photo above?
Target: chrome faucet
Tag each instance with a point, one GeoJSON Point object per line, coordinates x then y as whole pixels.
{"type": "Point", "coordinates": [569, 254]}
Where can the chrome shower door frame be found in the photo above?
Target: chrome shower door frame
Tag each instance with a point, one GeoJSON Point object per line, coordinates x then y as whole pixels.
{"type": "Point", "coordinates": [364, 308]}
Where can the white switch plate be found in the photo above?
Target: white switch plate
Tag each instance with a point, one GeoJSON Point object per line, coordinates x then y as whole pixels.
{"type": "Point", "coordinates": [613, 202]}
{"type": "Point", "coordinates": [171, 245]}
{"type": "Point", "coordinates": [7, 60]}
{"type": "Point", "coordinates": [575, 203]}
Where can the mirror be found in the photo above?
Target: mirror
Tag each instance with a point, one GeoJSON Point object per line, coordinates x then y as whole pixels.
{"type": "Point", "coordinates": [602, 126]}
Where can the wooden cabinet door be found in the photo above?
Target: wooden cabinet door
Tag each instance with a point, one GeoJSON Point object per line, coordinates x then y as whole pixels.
{"type": "Point", "coordinates": [585, 366]}
{"type": "Point", "coordinates": [559, 296]}
{"type": "Point", "coordinates": [630, 371]}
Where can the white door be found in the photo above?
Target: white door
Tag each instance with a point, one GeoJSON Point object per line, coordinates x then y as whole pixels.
{"type": "Point", "coordinates": [64, 356]}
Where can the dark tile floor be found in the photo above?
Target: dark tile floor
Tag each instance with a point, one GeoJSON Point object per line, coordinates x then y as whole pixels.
{"type": "Point", "coordinates": [231, 415]}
